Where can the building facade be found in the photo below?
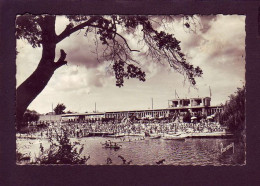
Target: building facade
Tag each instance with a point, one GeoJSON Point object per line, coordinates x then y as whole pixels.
{"type": "Point", "coordinates": [196, 106]}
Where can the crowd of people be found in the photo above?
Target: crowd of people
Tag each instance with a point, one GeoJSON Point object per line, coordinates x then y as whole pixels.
{"type": "Point", "coordinates": [80, 129]}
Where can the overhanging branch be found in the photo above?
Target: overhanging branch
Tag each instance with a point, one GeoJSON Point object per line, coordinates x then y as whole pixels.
{"type": "Point", "coordinates": [126, 43]}
{"type": "Point", "coordinates": [68, 30]}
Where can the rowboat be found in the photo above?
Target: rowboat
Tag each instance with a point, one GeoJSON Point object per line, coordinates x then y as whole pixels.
{"type": "Point", "coordinates": [111, 145]}
{"type": "Point", "coordinates": [116, 147]}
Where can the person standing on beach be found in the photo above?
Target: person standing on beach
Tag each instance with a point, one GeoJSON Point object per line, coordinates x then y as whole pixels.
{"type": "Point", "coordinates": [41, 148]}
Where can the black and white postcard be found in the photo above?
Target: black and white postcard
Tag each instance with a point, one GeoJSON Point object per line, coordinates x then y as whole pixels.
{"type": "Point", "coordinates": [130, 89]}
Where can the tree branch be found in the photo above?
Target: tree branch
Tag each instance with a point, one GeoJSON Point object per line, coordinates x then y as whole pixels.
{"type": "Point", "coordinates": [61, 60]}
{"type": "Point", "coordinates": [69, 30]}
{"type": "Point", "coordinates": [126, 43]}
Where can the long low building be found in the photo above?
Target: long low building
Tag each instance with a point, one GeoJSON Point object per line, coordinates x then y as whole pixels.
{"type": "Point", "coordinates": [176, 106]}
{"type": "Point", "coordinates": [83, 116]}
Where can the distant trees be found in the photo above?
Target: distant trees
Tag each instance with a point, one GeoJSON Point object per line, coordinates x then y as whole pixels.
{"type": "Point", "coordinates": [233, 114]}
{"type": "Point", "coordinates": [30, 116]}
{"type": "Point", "coordinates": [59, 109]}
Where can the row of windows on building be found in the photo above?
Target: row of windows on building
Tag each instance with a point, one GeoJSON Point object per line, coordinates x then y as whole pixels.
{"type": "Point", "coordinates": [144, 114]}
{"type": "Point", "coordinates": [214, 110]}
{"type": "Point", "coordinates": [138, 114]}
{"type": "Point", "coordinates": [156, 113]}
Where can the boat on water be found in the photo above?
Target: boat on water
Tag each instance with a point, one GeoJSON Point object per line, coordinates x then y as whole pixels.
{"type": "Point", "coordinates": [141, 135]}
{"type": "Point", "coordinates": [115, 135]}
{"type": "Point", "coordinates": [111, 145]}
{"type": "Point", "coordinates": [152, 135]}
{"type": "Point", "coordinates": [174, 137]}
{"type": "Point", "coordinates": [210, 134]}
{"type": "Point", "coordinates": [155, 136]}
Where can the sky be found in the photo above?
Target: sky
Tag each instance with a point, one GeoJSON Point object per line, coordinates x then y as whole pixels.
{"type": "Point", "coordinates": [217, 47]}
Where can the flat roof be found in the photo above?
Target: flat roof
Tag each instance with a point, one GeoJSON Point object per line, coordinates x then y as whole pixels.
{"type": "Point", "coordinates": [171, 108]}
{"type": "Point", "coordinates": [187, 98]}
{"type": "Point", "coordinates": [138, 110]}
{"type": "Point", "coordinates": [145, 110]}
{"type": "Point", "coordinates": [82, 114]}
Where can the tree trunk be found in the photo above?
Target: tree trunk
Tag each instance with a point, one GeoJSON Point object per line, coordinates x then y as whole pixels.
{"type": "Point", "coordinates": [30, 89]}
{"type": "Point", "coordinates": [33, 85]}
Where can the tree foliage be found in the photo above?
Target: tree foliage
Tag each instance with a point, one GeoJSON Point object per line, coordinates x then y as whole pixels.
{"type": "Point", "coordinates": [27, 28]}
{"type": "Point", "coordinates": [62, 152]}
{"type": "Point", "coordinates": [233, 114]}
{"type": "Point", "coordinates": [59, 109]}
{"type": "Point", "coordinates": [30, 116]}
{"type": "Point", "coordinates": [111, 31]}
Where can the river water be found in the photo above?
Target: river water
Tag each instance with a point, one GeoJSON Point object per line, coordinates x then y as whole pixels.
{"type": "Point", "coordinates": [207, 151]}
{"type": "Point", "coordinates": [191, 151]}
